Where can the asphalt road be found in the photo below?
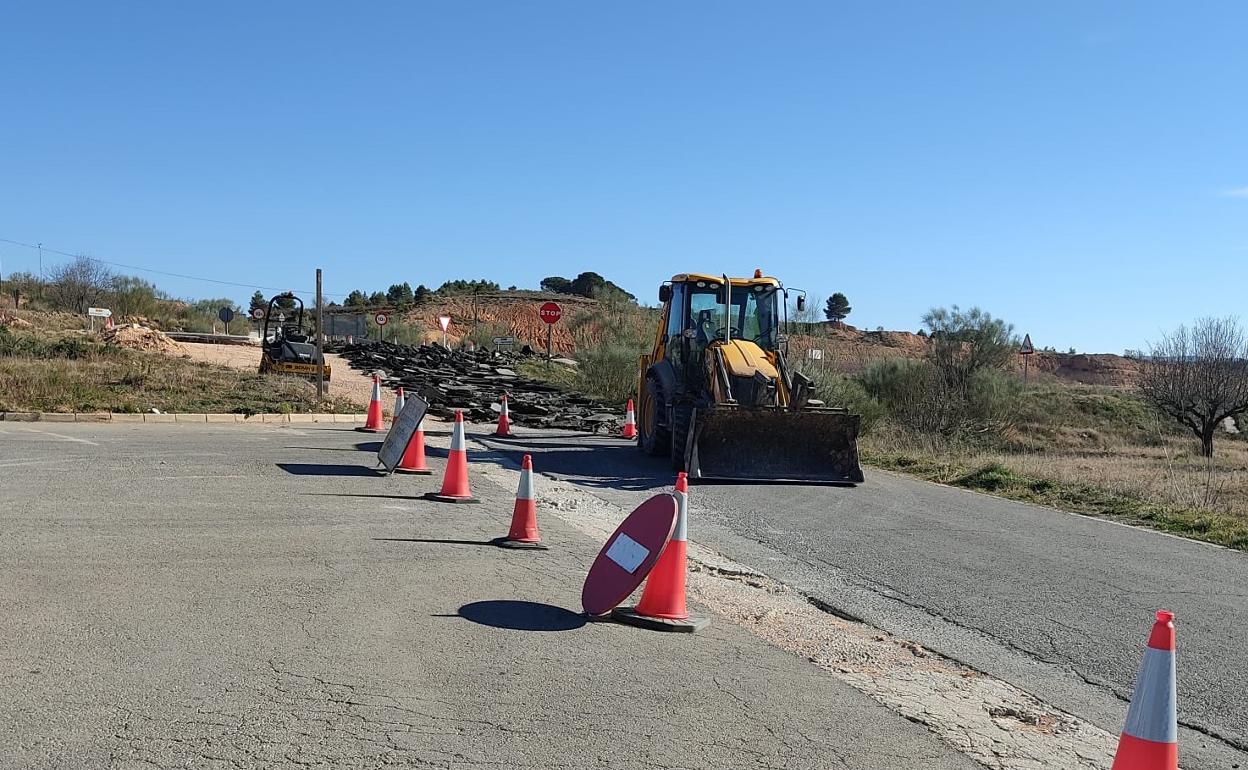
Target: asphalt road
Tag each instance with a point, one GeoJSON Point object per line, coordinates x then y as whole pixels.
{"type": "Point", "coordinates": [242, 596]}
{"type": "Point", "coordinates": [1055, 603]}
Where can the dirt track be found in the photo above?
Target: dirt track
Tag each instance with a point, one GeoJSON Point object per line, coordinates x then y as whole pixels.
{"type": "Point", "coordinates": [345, 382]}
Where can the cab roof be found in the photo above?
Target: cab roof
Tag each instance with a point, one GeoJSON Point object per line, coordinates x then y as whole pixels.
{"type": "Point", "coordinates": [687, 277]}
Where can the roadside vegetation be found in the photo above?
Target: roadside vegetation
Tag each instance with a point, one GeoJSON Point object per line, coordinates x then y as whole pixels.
{"type": "Point", "coordinates": [73, 373]}
{"type": "Point", "coordinates": [69, 289]}
{"type": "Point", "coordinates": [960, 416]}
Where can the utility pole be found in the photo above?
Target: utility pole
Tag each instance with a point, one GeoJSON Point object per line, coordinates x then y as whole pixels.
{"type": "Point", "coordinates": [320, 341]}
{"type": "Point", "coordinates": [41, 262]}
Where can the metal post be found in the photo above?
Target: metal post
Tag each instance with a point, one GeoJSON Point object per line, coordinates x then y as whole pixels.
{"type": "Point", "coordinates": [1025, 360]}
{"type": "Point", "coordinates": [320, 341]}
{"type": "Point", "coordinates": [550, 337]}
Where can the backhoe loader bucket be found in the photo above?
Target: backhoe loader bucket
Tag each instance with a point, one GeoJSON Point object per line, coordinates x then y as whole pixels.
{"type": "Point", "coordinates": [774, 445]}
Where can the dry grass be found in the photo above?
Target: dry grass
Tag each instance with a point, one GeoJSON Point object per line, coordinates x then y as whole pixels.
{"type": "Point", "coordinates": [111, 380]}
{"type": "Point", "coordinates": [1157, 480]}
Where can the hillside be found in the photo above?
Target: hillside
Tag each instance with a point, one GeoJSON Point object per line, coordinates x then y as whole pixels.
{"type": "Point", "coordinates": [850, 350]}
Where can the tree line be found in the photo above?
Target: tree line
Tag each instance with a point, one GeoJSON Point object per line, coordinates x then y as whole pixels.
{"type": "Point", "coordinates": [82, 283]}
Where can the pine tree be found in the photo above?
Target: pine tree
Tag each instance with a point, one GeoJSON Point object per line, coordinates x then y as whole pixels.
{"type": "Point", "coordinates": [837, 307]}
{"type": "Point", "coordinates": [258, 301]}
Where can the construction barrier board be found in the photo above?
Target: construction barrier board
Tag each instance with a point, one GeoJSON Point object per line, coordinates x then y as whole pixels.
{"type": "Point", "coordinates": [392, 449]}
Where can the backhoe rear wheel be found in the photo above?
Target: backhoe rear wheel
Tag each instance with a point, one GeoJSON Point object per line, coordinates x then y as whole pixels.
{"type": "Point", "coordinates": [654, 439]}
{"type": "Point", "coordinates": [682, 419]}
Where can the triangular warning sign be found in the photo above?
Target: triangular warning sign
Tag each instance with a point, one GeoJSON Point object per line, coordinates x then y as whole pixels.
{"type": "Point", "coordinates": [1027, 348]}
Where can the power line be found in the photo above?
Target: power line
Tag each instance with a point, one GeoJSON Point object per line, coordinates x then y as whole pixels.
{"type": "Point", "coordinates": [158, 272]}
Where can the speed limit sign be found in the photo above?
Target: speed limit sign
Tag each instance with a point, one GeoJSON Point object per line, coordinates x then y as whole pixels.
{"type": "Point", "coordinates": [382, 319]}
{"type": "Point", "coordinates": [257, 313]}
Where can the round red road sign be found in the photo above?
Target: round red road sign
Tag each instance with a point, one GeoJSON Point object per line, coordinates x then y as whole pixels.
{"type": "Point", "coordinates": [550, 312]}
{"type": "Point", "coordinates": [257, 313]}
{"type": "Point", "coordinates": [382, 319]}
{"type": "Point", "coordinates": [629, 555]}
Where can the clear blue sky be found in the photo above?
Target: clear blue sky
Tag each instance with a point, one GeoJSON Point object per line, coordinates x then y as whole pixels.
{"type": "Point", "coordinates": [1079, 168]}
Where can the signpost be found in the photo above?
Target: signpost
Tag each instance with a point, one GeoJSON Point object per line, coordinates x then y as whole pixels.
{"type": "Point", "coordinates": [98, 312]}
{"type": "Point", "coordinates": [550, 312]}
{"type": "Point", "coordinates": [226, 314]}
{"type": "Point", "coordinates": [320, 340]}
{"type": "Point", "coordinates": [382, 319]}
{"type": "Point", "coordinates": [1026, 351]}
{"type": "Point", "coordinates": [445, 322]}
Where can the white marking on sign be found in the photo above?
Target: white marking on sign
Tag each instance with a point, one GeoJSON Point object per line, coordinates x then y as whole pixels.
{"type": "Point", "coordinates": [444, 321]}
{"type": "Point", "coordinates": [627, 553]}
{"type": "Point", "coordinates": [381, 319]}
{"type": "Point", "coordinates": [99, 312]}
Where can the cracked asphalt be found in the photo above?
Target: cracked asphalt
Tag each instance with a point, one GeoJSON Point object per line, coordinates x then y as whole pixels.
{"type": "Point", "coordinates": [1057, 604]}
{"type": "Point", "coordinates": [193, 596]}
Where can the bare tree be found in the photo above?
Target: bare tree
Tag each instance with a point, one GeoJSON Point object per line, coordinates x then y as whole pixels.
{"type": "Point", "coordinates": [1199, 376]}
{"type": "Point", "coordinates": [75, 285]}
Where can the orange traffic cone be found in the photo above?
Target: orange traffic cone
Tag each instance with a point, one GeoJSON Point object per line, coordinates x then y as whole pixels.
{"type": "Point", "coordinates": [455, 482]}
{"type": "Point", "coordinates": [630, 422]}
{"type": "Point", "coordinates": [504, 421]}
{"type": "Point", "coordinates": [399, 403]}
{"type": "Point", "coordinates": [523, 533]}
{"type": "Point", "coordinates": [1150, 738]}
{"type": "Point", "coordinates": [375, 423]}
{"type": "Point", "coordinates": [414, 454]}
{"type": "Point", "coordinates": [662, 605]}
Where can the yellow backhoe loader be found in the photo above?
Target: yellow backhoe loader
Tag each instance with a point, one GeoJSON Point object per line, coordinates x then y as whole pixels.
{"type": "Point", "coordinates": [718, 396]}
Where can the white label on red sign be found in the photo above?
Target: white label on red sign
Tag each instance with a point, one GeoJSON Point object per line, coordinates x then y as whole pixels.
{"type": "Point", "coordinates": [627, 553]}
{"type": "Point", "coordinates": [381, 319]}
{"type": "Point", "coordinates": [445, 321]}
{"type": "Point", "coordinates": [550, 312]}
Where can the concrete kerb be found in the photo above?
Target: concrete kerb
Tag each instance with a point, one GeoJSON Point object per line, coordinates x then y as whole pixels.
{"type": "Point", "coordinates": [178, 417]}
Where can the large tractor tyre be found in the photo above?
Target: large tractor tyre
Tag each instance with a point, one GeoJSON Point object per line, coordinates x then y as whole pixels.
{"type": "Point", "coordinates": [682, 422]}
{"type": "Point", "coordinates": [654, 439]}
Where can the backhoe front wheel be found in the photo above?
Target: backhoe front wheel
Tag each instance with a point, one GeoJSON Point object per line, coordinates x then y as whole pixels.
{"type": "Point", "coordinates": [682, 420]}
{"type": "Point", "coordinates": [654, 438]}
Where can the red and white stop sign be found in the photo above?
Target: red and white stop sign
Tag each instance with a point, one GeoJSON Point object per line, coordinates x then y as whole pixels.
{"type": "Point", "coordinates": [550, 312]}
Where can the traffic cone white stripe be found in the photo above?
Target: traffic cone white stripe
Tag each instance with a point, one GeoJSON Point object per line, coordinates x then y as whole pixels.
{"type": "Point", "coordinates": [681, 533]}
{"type": "Point", "coordinates": [457, 437]}
{"type": "Point", "coordinates": [525, 490]}
{"type": "Point", "coordinates": [376, 388]}
{"type": "Point", "coordinates": [1153, 715]}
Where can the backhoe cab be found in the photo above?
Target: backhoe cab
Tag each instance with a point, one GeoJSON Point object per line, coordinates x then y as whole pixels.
{"type": "Point", "coordinates": [717, 395]}
{"type": "Point", "coordinates": [285, 347]}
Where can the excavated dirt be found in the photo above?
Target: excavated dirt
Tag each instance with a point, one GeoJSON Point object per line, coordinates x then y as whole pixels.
{"type": "Point", "coordinates": [136, 337]}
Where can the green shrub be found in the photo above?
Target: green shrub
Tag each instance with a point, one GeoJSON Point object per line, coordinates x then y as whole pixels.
{"type": "Point", "coordinates": [916, 395]}
{"type": "Point", "coordinates": [837, 390]}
